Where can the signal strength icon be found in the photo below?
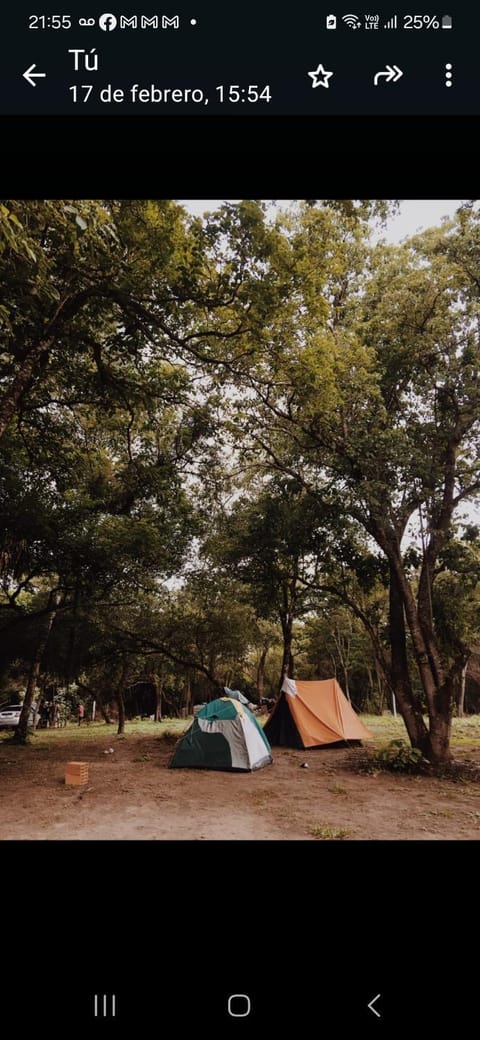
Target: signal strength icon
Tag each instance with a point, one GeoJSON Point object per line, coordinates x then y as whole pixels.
{"type": "Point", "coordinates": [392, 23]}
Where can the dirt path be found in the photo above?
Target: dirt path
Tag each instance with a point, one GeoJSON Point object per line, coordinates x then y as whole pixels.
{"type": "Point", "coordinates": [131, 794]}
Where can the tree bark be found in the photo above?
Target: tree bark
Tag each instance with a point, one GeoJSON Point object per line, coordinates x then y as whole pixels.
{"type": "Point", "coordinates": [188, 695]}
{"type": "Point", "coordinates": [120, 700]}
{"type": "Point", "coordinates": [345, 680]}
{"type": "Point", "coordinates": [20, 736]}
{"type": "Point", "coordinates": [41, 696]}
{"type": "Point", "coordinates": [441, 725]}
{"type": "Point", "coordinates": [103, 708]}
{"type": "Point", "coordinates": [460, 692]}
{"type": "Point", "coordinates": [287, 657]}
{"type": "Point", "coordinates": [121, 711]}
{"type": "Point", "coordinates": [158, 700]}
{"type": "Point", "coordinates": [409, 703]}
{"type": "Point", "coordinates": [437, 683]}
{"type": "Point", "coordinates": [427, 655]}
{"type": "Point", "coordinates": [380, 681]}
{"type": "Point", "coordinates": [343, 650]}
{"type": "Point", "coordinates": [72, 636]}
{"type": "Point", "coordinates": [261, 673]}
{"type": "Point", "coordinates": [172, 708]}
{"type": "Point", "coordinates": [437, 687]}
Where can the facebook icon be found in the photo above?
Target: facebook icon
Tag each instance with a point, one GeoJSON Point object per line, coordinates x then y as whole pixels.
{"type": "Point", "coordinates": [107, 22]}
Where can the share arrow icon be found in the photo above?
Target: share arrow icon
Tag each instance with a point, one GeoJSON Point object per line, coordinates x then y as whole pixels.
{"type": "Point", "coordinates": [392, 74]}
{"type": "Point", "coordinates": [31, 76]}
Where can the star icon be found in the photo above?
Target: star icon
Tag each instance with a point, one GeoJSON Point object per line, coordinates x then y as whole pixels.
{"type": "Point", "coordinates": [320, 77]}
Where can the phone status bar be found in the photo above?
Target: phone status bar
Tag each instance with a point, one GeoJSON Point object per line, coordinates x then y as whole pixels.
{"type": "Point", "coordinates": [394, 21]}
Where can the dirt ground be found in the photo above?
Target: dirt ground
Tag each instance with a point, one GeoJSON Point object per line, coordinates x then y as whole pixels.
{"type": "Point", "coordinates": [131, 794]}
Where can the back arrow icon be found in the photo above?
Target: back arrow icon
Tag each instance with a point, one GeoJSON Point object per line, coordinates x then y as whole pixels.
{"type": "Point", "coordinates": [31, 76]}
{"type": "Point", "coordinates": [391, 75]}
{"type": "Point", "coordinates": [371, 1007]}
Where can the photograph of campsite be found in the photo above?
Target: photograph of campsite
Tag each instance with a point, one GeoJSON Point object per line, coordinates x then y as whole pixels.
{"type": "Point", "coordinates": [239, 520]}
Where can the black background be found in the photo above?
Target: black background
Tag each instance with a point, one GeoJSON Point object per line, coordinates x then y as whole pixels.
{"type": "Point", "coordinates": [311, 931]}
{"type": "Point", "coordinates": [259, 157]}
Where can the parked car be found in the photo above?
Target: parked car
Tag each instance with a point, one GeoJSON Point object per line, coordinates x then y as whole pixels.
{"type": "Point", "coordinates": [10, 716]}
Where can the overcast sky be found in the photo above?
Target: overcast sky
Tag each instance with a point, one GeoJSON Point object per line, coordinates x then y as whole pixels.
{"type": "Point", "coordinates": [417, 214]}
{"type": "Point", "coordinates": [414, 214]}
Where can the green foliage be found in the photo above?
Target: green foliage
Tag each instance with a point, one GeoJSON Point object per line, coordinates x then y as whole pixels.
{"type": "Point", "coordinates": [216, 432]}
{"type": "Point", "coordinates": [397, 757]}
{"type": "Point", "coordinates": [263, 542]}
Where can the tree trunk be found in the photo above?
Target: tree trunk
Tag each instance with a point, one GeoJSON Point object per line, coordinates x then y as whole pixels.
{"type": "Point", "coordinates": [121, 711]}
{"type": "Point", "coordinates": [158, 700]}
{"type": "Point", "coordinates": [103, 709]}
{"type": "Point", "coordinates": [370, 694]}
{"type": "Point", "coordinates": [343, 650]}
{"type": "Point", "coordinates": [40, 698]}
{"type": "Point", "coordinates": [460, 693]}
{"type": "Point", "coordinates": [97, 696]}
{"type": "Point", "coordinates": [380, 682]}
{"type": "Point", "coordinates": [20, 736]}
{"type": "Point", "coordinates": [439, 740]}
{"type": "Point", "coordinates": [72, 638]}
{"type": "Point", "coordinates": [382, 664]}
{"type": "Point", "coordinates": [409, 703]}
{"type": "Point", "coordinates": [287, 657]}
{"type": "Point", "coordinates": [120, 701]}
{"type": "Point", "coordinates": [261, 673]}
{"type": "Point", "coordinates": [345, 680]}
{"type": "Point", "coordinates": [172, 709]}
{"type": "Point", "coordinates": [188, 695]}
{"type": "Point", "coordinates": [441, 725]}
{"type": "Point", "coordinates": [428, 658]}
{"type": "Point", "coordinates": [436, 686]}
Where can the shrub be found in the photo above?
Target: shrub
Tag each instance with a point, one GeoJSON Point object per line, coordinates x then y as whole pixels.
{"type": "Point", "coordinates": [397, 756]}
{"type": "Point", "coordinates": [326, 832]}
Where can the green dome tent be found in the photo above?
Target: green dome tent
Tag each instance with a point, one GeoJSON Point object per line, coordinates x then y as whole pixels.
{"type": "Point", "coordinates": [224, 735]}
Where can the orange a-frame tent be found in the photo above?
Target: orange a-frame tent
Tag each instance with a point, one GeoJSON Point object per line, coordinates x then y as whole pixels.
{"type": "Point", "coordinates": [313, 714]}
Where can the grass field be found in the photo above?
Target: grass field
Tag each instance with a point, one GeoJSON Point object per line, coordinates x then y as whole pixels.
{"type": "Point", "coordinates": [385, 728]}
{"type": "Point", "coordinates": [465, 731]}
{"type": "Point", "coordinates": [91, 732]}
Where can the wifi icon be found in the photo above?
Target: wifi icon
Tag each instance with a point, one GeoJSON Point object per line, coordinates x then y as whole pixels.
{"type": "Point", "coordinates": [352, 20]}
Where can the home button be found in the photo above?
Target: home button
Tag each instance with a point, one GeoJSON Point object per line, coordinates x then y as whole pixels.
{"type": "Point", "coordinates": [239, 1005]}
